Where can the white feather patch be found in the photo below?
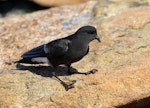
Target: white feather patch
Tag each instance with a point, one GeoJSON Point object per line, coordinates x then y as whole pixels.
{"type": "Point", "coordinates": [40, 60]}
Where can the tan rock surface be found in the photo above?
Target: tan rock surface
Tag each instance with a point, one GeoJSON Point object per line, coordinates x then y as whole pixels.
{"type": "Point", "coordinates": [57, 2]}
{"type": "Point", "coordinates": [123, 58]}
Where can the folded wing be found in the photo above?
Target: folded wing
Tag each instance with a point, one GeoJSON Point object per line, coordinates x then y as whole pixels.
{"type": "Point", "coordinates": [57, 48]}
{"type": "Point", "coordinates": [41, 53]}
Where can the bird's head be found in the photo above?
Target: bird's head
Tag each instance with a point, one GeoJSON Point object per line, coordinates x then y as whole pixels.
{"type": "Point", "coordinates": [88, 33]}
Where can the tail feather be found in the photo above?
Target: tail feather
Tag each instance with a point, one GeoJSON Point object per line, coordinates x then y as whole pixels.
{"type": "Point", "coordinates": [35, 52]}
{"type": "Point", "coordinates": [34, 56]}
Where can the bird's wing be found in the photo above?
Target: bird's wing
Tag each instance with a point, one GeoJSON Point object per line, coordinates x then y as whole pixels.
{"type": "Point", "coordinates": [57, 48]}
{"type": "Point", "coordinates": [35, 52]}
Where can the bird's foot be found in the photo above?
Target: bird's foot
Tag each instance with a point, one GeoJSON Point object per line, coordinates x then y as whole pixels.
{"type": "Point", "coordinates": [92, 71]}
{"type": "Point", "coordinates": [86, 73]}
{"type": "Point", "coordinates": [68, 86]}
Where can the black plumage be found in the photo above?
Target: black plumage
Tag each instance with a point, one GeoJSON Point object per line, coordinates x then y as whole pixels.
{"type": "Point", "coordinates": [63, 51]}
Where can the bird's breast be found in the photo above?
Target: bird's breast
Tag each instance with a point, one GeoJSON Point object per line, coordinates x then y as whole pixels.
{"type": "Point", "coordinates": [77, 53]}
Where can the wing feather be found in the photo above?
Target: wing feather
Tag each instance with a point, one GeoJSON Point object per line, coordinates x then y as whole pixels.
{"type": "Point", "coordinates": [57, 48]}
{"type": "Point", "coordinates": [35, 52]}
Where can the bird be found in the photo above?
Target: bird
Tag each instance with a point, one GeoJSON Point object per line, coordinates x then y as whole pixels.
{"type": "Point", "coordinates": [63, 51]}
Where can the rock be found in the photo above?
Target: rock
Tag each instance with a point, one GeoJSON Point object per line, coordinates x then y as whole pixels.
{"type": "Point", "coordinates": [122, 59]}
{"type": "Point", "coordinates": [58, 2]}
{"type": "Point", "coordinates": [113, 7]}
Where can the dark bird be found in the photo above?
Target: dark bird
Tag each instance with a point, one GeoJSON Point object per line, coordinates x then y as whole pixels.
{"type": "Point", "coordinates": [63, 51]}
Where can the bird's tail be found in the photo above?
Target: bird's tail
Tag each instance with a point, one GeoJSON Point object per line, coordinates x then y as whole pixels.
{"type": "Point", "coordinates": [34, 56]}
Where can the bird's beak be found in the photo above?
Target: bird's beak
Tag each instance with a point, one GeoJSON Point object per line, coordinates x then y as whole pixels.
{"type": "Point", "coordinates": [97, 38]}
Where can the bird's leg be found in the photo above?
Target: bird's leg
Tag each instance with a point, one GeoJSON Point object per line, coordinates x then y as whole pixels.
{"type": "Point", "coordinates": [67, 86]}
{"type": "Point", "coordinates": [76, 72]}
{"type": "Point", "coordinates": [70, 70]}
{"type": "Point", "coordinates": [89, 72]}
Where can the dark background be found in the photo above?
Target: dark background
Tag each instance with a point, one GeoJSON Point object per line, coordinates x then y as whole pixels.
{"type": "Point", "coordinates": [8, 7]}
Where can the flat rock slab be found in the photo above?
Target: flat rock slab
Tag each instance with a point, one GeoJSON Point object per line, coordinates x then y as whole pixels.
{"type": "Point", "coordinates": [122, 58]}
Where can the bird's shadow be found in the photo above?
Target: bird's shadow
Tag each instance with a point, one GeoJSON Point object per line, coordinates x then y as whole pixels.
{"type": "Point", "coordinates": [45, 71]}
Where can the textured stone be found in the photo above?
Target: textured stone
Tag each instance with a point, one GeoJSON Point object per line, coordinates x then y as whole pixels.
{"type": "Point", "coordinates": [57, 2]}
{"type": "Point", "coordinates": [122, 59]}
